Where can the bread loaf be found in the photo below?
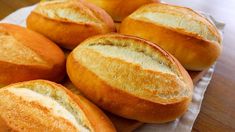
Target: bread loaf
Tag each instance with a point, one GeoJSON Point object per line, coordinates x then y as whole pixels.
{"type": "Point", "coordinates": [27, 55]}
{"type": "Point", "coordinates": [46, 106]}
{"type": "Point", "coordinates": [130, 77]}
{"type": "Point", "coordinates": [187, 35]}
{"type": "Point", "coordinates": [119, 9]}
{"type": "Point", "coordinates": [69, 22]}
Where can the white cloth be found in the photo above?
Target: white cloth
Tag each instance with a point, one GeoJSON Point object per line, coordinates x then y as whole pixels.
{"type": "Point", "coordinates": [183, 124]}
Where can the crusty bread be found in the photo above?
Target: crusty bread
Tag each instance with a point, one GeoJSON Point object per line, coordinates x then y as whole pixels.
{"type": "Point", "coordinates": [119, 9]}
{"type": "Point", "coordinates": [46, 106]}
{"type": "Point", "coordinates": [27, 55]}
{"type": "Point", "coordinates": [130, 77]}
{"type": "Point", "coordinates": [69, 22]}
{"type": "Point", "coordinates": [121, 124]}
{"type": "Point", "coordinates": [187, 35]}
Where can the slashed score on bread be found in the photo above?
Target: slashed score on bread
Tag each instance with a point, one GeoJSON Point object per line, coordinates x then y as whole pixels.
{"type": "Point", "coordinates": [41, 105]}
{"type": "Point", "coordinates": [69, 22]}
{"type": "Point", "coordinates": [187, 35]}
{"type": "Point", "coordinates": [27, 55]}
{"type": "Point", "coordinates": [119, 9]}
{"type": "Point", "coordinates": [130, 77]}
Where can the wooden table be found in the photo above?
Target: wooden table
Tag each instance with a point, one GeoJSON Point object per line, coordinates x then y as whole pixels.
{"type": "Point", "coordinates": [218, 108]}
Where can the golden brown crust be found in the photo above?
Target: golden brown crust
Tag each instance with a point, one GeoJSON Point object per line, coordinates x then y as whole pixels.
{"type": "Point", "coordinates": [4, 127]}
{"type": "Point", "coordinates": [194, 51]}
{"type": "Point", "coordinates": [121, 124]}
{"type": "Point", "coordinates": [50, 66]}
{"type": "Point", "coordinates": [119, 9]}
{"type": "Point", "coordinates": [98, 120]}
{"type": "Point", "coordinates": [20, 114]}
{"type": "Point", "coordinates": [144, 106]}
{"type": "Point", "coordinates": [68, 31]}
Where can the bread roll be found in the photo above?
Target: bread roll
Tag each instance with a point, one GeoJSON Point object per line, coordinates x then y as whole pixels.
{"type": "Point", "coordinates": [121, 124]}
{"type": "Point", "coordinates": [27, 55]}
{"type": "Point", "coordinates": [187, 35]}
{"type": "Point", "coordinates": [46, 106]}
{"type": "Point", "coordinates": [119, 9]}
{"type": "Point", "coordinates": [69, 22]}
{"type": "Point", "coordinates": [130, 77]}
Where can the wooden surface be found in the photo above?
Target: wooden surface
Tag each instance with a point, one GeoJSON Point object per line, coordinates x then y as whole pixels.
{"type": "Point", "coordinates": [218, 108]}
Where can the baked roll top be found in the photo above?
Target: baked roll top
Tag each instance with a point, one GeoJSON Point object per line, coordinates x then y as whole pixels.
{"type": "Point", "coordinates": [69, 22]}
{"type": "Point", "coordinates": [133, 68]}
{"type": "Point", "coordinates": [187, 35]}
{"type": "Point", "coordinates": [45, 106]}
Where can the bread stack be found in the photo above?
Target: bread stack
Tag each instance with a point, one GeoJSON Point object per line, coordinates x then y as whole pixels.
{"type": "Point", "coordinates": [137, 74]}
